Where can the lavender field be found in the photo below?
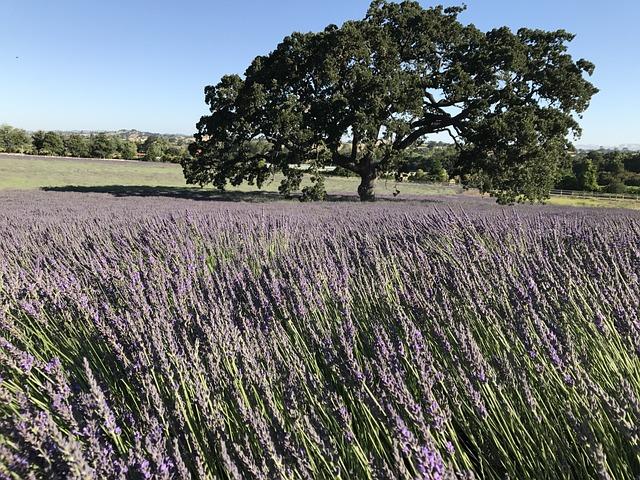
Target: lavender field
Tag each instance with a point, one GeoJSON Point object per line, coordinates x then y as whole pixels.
{"type": "Point", "coordinates": [169, 338]}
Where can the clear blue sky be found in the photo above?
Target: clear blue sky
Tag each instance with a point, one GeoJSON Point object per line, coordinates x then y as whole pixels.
{"type": "Point", "coordinates": [106, 65]}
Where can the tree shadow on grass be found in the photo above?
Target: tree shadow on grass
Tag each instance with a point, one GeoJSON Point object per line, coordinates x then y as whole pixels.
{"type": "Point", "coordinates": [188, 193]}
{"type": "Point", "coordinates": [194, 193]}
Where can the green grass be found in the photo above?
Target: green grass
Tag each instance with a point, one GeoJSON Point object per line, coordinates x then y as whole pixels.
{"type": "Point", "coordinates": [594, 202]}
{"type": "Point", "coordinates": [17, 172]}
{"type": "Point", "coordinates": [38, 172]}
{"type": "Point", "coordinates": [26, 173]}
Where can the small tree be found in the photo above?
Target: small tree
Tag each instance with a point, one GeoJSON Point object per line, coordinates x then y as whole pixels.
{"type": "Point", "coordinates": [613, 162]}
{"type": "Point", "coordinates": [20, 141]}
{"type": "Point", "coordinates": [14, 140]}
{"type": "Point", "coordinates": [155, 150]}
{"type": "Point", "coordinates": [150, 140]}
{"type": "Point", "coordinates": [52, 144]}
{"type": "Point", "coordinates": [385, 82]}
{"type": "Point", "coordinates": [4, 138]}
{"type": "Point", "coordinates": [127, 149]}
{"type": "Point", "coordinates": [102, 146]}
{"type": "Point", "coordinates": [588, 177]}
{"type": "Point", "coordinates": [175, 153]}
{"type": "Point", "coordinates": [437, 173]}
{"type": "Point", "coordinates": [76, 145]}
{"type": "Point", "coordinates": [37, 138]}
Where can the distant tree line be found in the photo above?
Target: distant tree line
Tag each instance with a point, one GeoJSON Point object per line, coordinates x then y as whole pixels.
{"type": "Point", "coordinates": [604, 171]}
{"type": "Point", "coordinates": [431, 162]}
{"type": "Point", "coordinates": [611, 171]}
{"type": "Point", "coordinates": [98, 145]}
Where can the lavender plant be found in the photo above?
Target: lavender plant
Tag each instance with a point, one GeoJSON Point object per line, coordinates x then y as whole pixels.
{"type": "Point", "coordinates": [167, 339]}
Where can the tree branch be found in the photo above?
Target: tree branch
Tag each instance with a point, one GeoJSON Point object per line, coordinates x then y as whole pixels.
{"type": "Point", "coordinates": [343, 161]}
{"type": "Point", "coordinates": [443, 102]}
{"type": "Point", "coordinates": [431, 123]}
{"type": "Point", "coordinates": [455, 139]}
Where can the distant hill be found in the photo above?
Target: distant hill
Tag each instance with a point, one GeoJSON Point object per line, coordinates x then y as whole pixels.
{"type": "Point", "coordinates": [634, 147]}
{"type": "Point", "coordinates": [133, 135]}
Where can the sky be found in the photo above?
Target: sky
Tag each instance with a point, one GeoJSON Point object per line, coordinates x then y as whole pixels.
{"type": "Point", "coordinates": [143, 64]}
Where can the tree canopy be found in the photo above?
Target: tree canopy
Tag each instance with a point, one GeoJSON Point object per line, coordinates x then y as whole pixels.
{"type": "Point", "coordinates": [48, 143]}
{"type": "Point", "coordinates": [102, 145]}
{"type": "Point", "coordinates": [77, 145]}
{"type": "Point", "coordinates": [14, 139]}
{"type": "Point", "coordinates": [358, 95]}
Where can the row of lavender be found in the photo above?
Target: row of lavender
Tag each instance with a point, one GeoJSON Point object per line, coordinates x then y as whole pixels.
{"type": "Point", "coordinates": [286, 341]}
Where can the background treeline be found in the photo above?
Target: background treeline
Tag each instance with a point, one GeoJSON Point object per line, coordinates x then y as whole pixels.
{"type": "Point", "coordinates": [608, 171]}
{"type": "Point", "coordinates": [611, 171]}
{"type": "Point", "coordinates": [431, 162]}
{"type": "Point", "coordinates": [95, 145]}
{"type": "Point", "coordinates": [603, 171]}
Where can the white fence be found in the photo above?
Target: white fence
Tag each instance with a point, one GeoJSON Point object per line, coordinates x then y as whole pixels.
{"type": "Point", "coordinates": [578, 194]}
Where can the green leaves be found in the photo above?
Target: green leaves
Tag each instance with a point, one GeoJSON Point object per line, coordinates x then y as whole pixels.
{"type": "Point", "coordinates": [386, 82]}
{"type": "Point", "coordinates": [516, 155]}
{"type": "Point", "coordinates": [14, 140]}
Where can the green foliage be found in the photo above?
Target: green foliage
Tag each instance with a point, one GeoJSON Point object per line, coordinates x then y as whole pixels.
{"type": "Point", "coordinates": [126, 149]}
{"type": "Point", "coordinates": [616, 186]}
{"type": "Point", "coordinates": [154, 151]}
{"type": "Point", "coordinates": [429, 163]}
{"type": "Point", "coordinates": [568, 181]}
{"type": "Point", "coordinates": [613, 163]}
{"type": "Point", "coordinates": [76, 146]}
{"type": "Point", "coordinates": [632, 179]}
{"type": "Point", "coordinates": [37, 139]}
{"type": "Point", "coordinates": [597, 157]}
{"type": "Point", "coordinates": [437, 172]}
{"type": "Point", "coordinates": [290, 183]}
{"type": "Point", "coordinates": [315, 191]}
{"type": "Point", "coordinates": [588, 177]}
{"type": "Point", "coordinates": [14, 140]}
{"type": "Point", "coordinates": [174, 154]}
{"type": "Point", "coordinates": [610, 169]}
{"type": "Point", "coordinates": [387, 82]}
{"type": "Point", "coordinates": [632, 162]}
{"type": "Point", "coordinates": [102, 146]}
{"type": "Point", "coordinates": [150, 140]}
{"type": "Point", "coordinates": [160, 149]}
{"type": "Point", "coordinates": [48, 143]}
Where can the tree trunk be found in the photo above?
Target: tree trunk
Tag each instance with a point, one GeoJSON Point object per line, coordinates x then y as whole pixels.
{"type": "Point", "coordinates": [366, 189]}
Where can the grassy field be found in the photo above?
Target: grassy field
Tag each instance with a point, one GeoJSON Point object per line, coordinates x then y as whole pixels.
{"type": "Point", "coordinates": [26, 172]}
{"type": "Point", "coordinates": [594, 202]}
{"type": "Point", "coordinates": [114, 176]}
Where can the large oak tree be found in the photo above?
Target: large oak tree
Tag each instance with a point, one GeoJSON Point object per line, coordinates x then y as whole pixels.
{"type": "Point", "coordinates": [358, 95]}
